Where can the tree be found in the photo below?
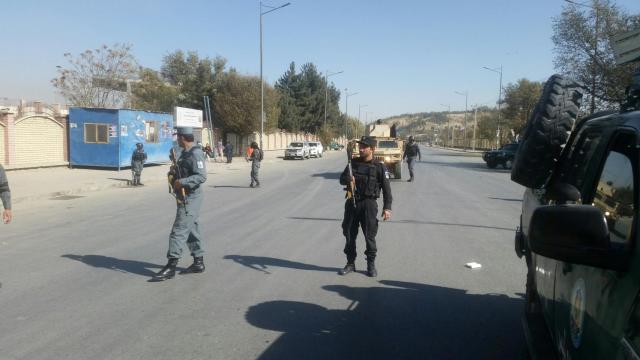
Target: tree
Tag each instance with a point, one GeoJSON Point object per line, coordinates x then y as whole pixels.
{"type": "Point", "coordinates": [153, 93]}
{"type": "Point", "coordinates": [520, 100]}
{"type": "Point", "coordinates": [237, 103]}
{"type": "Point", "coordinates": [583, 49]}
{"type": "Point", "coordinates": [97, 78]}
{"type": "Point", "coordinates": [194, 77]}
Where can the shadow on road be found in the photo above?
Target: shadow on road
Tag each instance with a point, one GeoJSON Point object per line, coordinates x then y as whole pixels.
{"type": "Point", "coordinates": [262, 263]}
{"type": "Point", "coordinates": [399, 321]}
{"type": "Point", "coordinates": [505, 199]}
{"type": "Point", "coordinates": [409, 221]}
{"type": "Point", "coordinates": [329, 175]}
{"type": "Point", "coordinates": [111, 263]}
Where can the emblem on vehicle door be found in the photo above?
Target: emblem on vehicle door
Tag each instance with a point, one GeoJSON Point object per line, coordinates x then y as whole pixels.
{"type": "Point", "coordinates": [576, 317]}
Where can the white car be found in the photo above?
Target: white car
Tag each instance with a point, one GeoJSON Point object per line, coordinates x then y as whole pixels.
{"type": "Point", "coordinates": [315, 148]}
{"type": "Point", "coordinates": [297, 149]}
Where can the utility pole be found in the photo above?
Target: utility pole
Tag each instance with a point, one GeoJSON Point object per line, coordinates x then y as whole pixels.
{"type": "Point", "coordinates": [475, 126]}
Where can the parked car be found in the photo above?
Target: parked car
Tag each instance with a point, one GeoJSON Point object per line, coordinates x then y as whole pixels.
{"type": "Point", "coordinates": [315, 149]}
{"type": "Point", "coordinates": [297, 149]}
{"type": "Point", "coordinates": [579, 227]}
{"type": "Point", "coordinates": [503, 156]}
{"type": "Point", "coordinates": [335, 146]}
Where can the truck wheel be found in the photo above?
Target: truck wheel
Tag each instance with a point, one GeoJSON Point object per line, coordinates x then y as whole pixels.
{"type": "Point", "coordinates": [397, 173]}
{"type": "Point", "coordinates": [507, 164]}
{"type": "Point", "coordinates": [547, 131]}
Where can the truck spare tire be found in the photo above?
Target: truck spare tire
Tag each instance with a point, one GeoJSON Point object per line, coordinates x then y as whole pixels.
{"type": "Point", "coordinates": [547, 131]}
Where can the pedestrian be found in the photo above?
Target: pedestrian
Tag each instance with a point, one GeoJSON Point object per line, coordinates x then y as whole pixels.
{"type": "Point", "coordinates": [255, 158]}
{"type": "Point", "coordinates": [219, 148]}
{"type": "Point", "coordinates": [208, 152]}
{"type": "Point", "coordinates": [411, 151]}
{"type": "Point", "coordinates": [138, 159]}
{"type": "Point", "coordinates": [366, 183]}
{"type": "Point", "coordinates": [228, 152]}
{"type": "Point", "coordinates": [190, 175]}
{"type": "Point", "coordinates": [5, 195]}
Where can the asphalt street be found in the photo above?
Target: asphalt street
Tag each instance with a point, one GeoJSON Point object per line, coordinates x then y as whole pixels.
{"type": "Point", "coordinates": [74, 270]}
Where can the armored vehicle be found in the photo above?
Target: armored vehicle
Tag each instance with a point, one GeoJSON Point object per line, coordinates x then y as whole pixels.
{"type": "Point", "coordinates": [388, 147]}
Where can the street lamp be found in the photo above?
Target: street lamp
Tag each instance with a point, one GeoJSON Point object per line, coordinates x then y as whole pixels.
{"type": "Point", "coordinates": [448, 120]}
{"type": "Point", "coordinates": [326, 93]}
{"type": "Point", "coordinates": [359, 108]}
{"type": "Point", "coordinates": [498, 71]}
{"type": "Point", "coordinates": [346, 108]}
{"type": "Point", "coordinates": [261, 78]}
{"type": "Point", "coordinates": [466, 100]}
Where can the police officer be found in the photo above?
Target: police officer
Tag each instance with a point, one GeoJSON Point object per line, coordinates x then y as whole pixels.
{"type": "Point", "coordinates": [255, 158]}
{"type": "Point", "coordinates": [193, 174]}
{"type": "Point", "coordinates": [137, 163]}
{"type": "Point", "coordinates": [5, 196]}
{"type": "Point", "coordinates": [410, 152]}
{"type": "Point", "coordinates": [367, 181]}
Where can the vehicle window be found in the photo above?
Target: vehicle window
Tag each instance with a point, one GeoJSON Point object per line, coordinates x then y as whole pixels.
{"type": "Point", "coordinates": [510, 147]}
{"type": "Point", "coordinates": [614, 193]}
{"type": "Point", "coordinates": [312, 144]}
{"type": "Point", "coordinates": [387, 144]}
{"type": "Point", "coordinates": [574, 170]}
{"type": "Point", "coordinates": [296, 144]}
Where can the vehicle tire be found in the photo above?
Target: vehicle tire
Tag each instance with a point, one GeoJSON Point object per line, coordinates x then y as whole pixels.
{"type": "Point", "coordinates": [547, 131]}
{"type": "Point", "coordinates": [507, 164]}
{"type": "Point", "coordinates": [397, 173]}
{"type": "Point", "coordinates": [491, 164]}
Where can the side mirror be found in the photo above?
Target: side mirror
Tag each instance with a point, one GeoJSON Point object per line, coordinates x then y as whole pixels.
{"type": "Point", "coordinates": [576, 234]}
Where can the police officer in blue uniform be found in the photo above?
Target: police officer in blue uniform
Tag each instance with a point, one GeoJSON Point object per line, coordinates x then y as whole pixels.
{"type": "Point", "coordinates": [138, 159]}
{"type": "Point", "coordinates": [188, 188]}
{"type": "Point", "coordinates": [367, 182]}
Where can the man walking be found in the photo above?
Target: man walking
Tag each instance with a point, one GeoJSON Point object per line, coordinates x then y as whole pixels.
{"type": "Point", "coordinates": [411, 151]}
{"type": "Point", "coordinates": [228, 152]}
{"type": "Point", "coordinates": [138, 159]}
{"type": "Point", "coordinates": [365, 185]}
{"type": "Point", "coordinates": [255, 158]}
{"type": "Point", "coordinates": [5, 196]}
{"type": "Point", "coordinates": [191, 173]}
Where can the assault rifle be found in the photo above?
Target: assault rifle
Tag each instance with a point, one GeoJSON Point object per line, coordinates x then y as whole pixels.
{"type": "Point", "coordinates": [173, 175]}
{"type": "Point", "coordinates": [351, 186]}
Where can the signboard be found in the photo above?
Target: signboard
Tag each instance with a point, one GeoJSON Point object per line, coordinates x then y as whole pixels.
{"type": "Point", "coordinates": [626, 47]}
{"type": "Point", "coordinates": [185, 117]}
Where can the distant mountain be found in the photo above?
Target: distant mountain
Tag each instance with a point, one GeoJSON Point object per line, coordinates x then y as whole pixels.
{"type": "Point", "coordinates": [425, 123]}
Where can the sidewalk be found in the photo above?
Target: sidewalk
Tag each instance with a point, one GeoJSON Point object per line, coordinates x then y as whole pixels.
{"type": "Point", "coordinates": [42, 183]}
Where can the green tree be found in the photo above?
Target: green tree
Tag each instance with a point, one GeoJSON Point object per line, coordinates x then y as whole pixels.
{"type": "Point", "coordinates": [153, 93]}
{"type": "Point", "coordinates": [97, 78]}
{"type": "Point", "coordinates": [520, 99]}
{"type": "Point", "coordinates": [581, 35]}
{"type": "Point", "coordinates": [237, 103]}
{"type": "Point", "coordinates": [192, 76]}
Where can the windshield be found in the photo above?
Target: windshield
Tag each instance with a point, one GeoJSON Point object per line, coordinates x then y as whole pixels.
{"type": "Point", "coordinates": [296, 145]}
{"type": "Point", "coordinates": [387, 144]}
{"type": "Point", "coordinates": [511, 147]}
{"type": "Point", "coordinates": [313, 144]}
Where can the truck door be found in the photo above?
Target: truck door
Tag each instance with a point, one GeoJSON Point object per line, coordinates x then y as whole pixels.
{"type": "Point", "coordinates": [592, 305]}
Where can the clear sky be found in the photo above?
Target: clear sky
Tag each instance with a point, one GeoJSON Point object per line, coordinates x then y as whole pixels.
{"type": "Point", "coordinates": [401, 56]}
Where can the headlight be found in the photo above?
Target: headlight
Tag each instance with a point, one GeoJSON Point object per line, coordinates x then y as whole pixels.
{"type": "Point", "coordinates": [387, 158]}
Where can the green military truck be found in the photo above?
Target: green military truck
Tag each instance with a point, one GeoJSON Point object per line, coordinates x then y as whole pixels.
{"type": "Point", "coordinates": [579, 228]}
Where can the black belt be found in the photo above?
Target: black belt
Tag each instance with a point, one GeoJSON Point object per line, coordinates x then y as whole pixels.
{"type": "Point", "coordinates": [363, 197]}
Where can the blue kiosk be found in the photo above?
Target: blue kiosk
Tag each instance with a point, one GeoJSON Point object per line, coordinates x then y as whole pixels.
{"type": "Point", "coordinates": [108, 137]}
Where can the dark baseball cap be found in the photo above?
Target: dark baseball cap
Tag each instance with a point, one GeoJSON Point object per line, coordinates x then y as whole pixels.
{"type": "Point", "coordinates": [367, 141]}
{"type": "Point", "coordinates": [185, 131]}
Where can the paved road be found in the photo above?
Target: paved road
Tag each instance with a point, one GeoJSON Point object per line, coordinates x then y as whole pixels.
{"type": "Point", "coordinates": [74, 271]}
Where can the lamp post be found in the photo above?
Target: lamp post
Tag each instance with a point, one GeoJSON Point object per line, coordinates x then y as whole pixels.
{"type": "Point", "coordinates": [326, 93]}
{"type": "Point", "coordinates": [448, 121]}
{"type": "Point", "coordinates": [346, 109]}
{"type": "Point", "coordinates": [594, 68]}
{"type": "Point", "coordinates": [466, 101]}
{"type": "Point", "coordinates": [498, 71]}
{"type": "Point", "coordinates": [359, 122]}
{"type": "Point", "coordinates": [261, 78]}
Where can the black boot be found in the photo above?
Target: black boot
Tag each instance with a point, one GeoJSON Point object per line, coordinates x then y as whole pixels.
{"type": "Point", "coordinates": [196, 267]}
{"type": "Point", "coordinates": [349, 268]}
{"type": "Point", "coordinates": [371, 269]}
{"type": "Point", "coordinates": [168, 271]}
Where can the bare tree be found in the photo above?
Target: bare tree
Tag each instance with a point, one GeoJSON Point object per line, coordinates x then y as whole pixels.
{"type": "Point", "coordinates": [97, 78]}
